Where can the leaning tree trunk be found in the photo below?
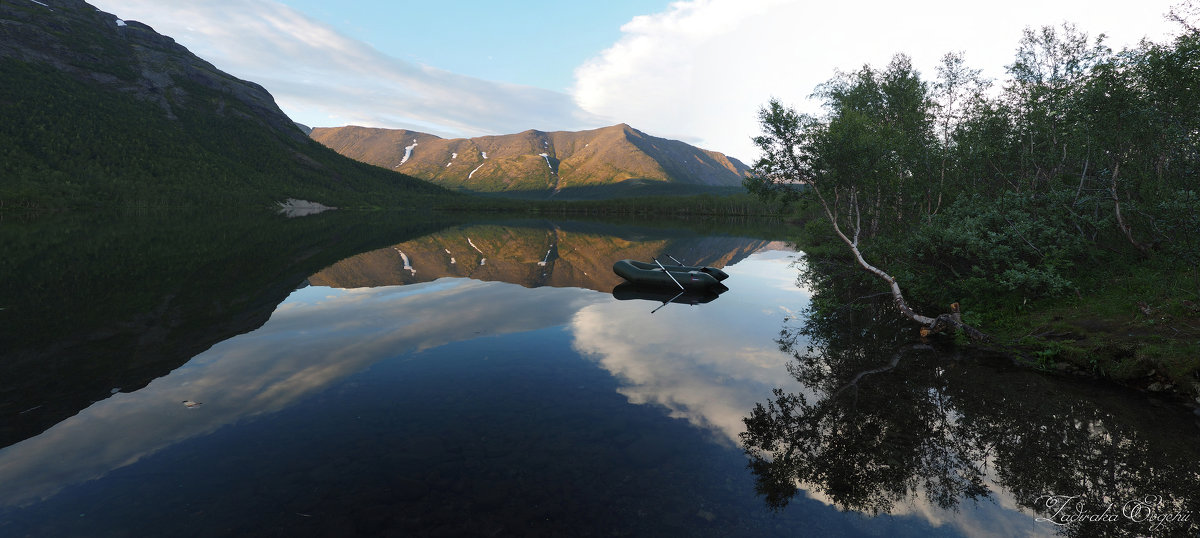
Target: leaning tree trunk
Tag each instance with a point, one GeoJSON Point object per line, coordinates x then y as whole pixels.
{"type": "Point", "coordinates": [941, 323]}
{"type": "Point", "coordinates": [1121, 224]}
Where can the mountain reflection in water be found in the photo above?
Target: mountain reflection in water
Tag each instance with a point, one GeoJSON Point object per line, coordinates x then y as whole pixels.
{"type": "Point", "coordinates": [532, 254]}
{"type": "Point", "coordinates": [432, 398]}
{"type": "Point", "coordinates": [483, 380]}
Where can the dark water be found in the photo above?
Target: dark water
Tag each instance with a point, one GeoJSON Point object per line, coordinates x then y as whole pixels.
{"type": "Point", "coordinates": [482, 380]}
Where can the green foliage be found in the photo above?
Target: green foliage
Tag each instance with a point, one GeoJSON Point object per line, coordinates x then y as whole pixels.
{"type": "Point", "coordinates": [865, 161]}
{"type": "Point", "coordinates": [786, 164]}
{"type": "Point", "coordinates": [1062, 212]}
{"type": "Point", "coordinates": [1010, 248]}
{"type": "Point", "coordinates": [998, 198]}
{"type": "Point", "coordinates": [1179, 223]}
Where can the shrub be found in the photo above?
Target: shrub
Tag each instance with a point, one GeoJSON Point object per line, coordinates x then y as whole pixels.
{"type": "Point", "coordinates": [1014, 246]}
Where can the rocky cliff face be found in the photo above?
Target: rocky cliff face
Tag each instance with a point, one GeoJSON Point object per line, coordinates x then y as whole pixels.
{"type": "Point", "coordinates": [535, 160]}
{"type": "Point", "coordinates": [127, 56]}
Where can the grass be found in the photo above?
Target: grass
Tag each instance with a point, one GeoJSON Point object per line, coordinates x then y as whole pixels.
{"type": "Point", "coordinates": [1136, 323]}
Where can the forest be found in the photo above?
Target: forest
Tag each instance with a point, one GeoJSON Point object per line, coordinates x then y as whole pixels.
{"type": "Point", "coordinates": [1059, 206]}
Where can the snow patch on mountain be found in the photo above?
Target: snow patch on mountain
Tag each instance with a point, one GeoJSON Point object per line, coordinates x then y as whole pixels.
{"type": "Point", "coordinates": [408, 152]}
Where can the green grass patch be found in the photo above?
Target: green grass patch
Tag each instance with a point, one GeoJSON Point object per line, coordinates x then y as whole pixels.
{"type": "Point", "coordinates": [1132, 321]}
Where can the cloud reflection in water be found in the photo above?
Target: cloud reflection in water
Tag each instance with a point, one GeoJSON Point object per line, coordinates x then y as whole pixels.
{"type": "Point", "coordinates": [315, 338]}
{"type": "Point", "coordinates": [707, 364]}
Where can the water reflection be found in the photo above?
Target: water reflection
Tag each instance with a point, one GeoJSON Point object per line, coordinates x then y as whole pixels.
{"type": "Point", "coordinates": [697, 364]}
{"type": "Point", "coordinates": [313, 340]}
{"type": "Point", "coordinates": [531, 254]}
{"type": "Point", "coordinates": [470, 380]}
{"type": "Point", "coordinates": [658, 294]}
{"type": "Point", "coordinates": [90, 303]}
{"type": "Point", "coordinates": [891, 426]}
{"type": "Point", "coordinates": [706, 364]}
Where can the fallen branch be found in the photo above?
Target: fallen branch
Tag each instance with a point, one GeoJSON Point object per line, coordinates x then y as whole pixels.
{"type": "Point", "coordinates": [931, 325]}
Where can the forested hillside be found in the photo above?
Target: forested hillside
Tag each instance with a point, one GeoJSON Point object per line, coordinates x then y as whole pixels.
{"type": "Point", "coordinates": [102, 111]}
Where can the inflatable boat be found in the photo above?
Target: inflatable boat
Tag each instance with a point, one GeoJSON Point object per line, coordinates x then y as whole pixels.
{"type": "Point", "coordinates": [657, 274]}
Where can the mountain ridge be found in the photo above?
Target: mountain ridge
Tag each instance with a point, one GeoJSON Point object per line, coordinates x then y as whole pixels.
{"type": "Point", "coordinates": [101, 111]}
{"type": "Point", "coordinates": [534, 160]}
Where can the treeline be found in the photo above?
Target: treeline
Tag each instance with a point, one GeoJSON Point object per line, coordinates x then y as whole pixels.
{"type": "Point", "coordinates": [998, 192]}
{"type": "Point", "coordinates": [734, 205]}
{"type": "Point", "coordinates": [729, 205]}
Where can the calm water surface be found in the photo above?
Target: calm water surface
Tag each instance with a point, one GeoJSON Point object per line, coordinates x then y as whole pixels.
{"type": "Point", "coordinates": [484, 380]}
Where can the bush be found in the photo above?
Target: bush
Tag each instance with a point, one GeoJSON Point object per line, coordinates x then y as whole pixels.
{"type": "Point", "coordinates": [1179, 222]}
{"type": "Point", "coordinates": [988, 249]}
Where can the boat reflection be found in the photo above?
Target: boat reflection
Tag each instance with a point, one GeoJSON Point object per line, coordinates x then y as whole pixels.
{"type": "Point", "coordinates": [659, 294]}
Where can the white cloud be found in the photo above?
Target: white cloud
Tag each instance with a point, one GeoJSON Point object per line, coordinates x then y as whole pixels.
{"type": "Point", "coordinates": [323, 78]}
{"type": "Point", "coordinates": [701, 70]}
{"type": "Point", "coordinates": [697, 72]}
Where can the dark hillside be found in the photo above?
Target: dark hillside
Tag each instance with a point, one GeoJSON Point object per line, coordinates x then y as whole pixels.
{"type": "Point", "coordinates": [100, 111]}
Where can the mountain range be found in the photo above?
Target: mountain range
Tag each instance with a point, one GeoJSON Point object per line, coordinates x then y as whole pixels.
{"type": "Point", "coordinates": [537, 161]}
{"type": "Point", "coordinates": [101, 111]}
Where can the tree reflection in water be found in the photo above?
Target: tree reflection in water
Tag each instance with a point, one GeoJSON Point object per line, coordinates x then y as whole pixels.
{"type": "Point", "coordinates": [887, 421]}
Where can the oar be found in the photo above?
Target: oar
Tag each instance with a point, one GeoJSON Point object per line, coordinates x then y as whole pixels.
{"type": "Point", "coordinates": [660, 266]}
{"type": "Point", "coordinates": [677, 262]}
{"type": "Point", "coordinates": [668, 301]}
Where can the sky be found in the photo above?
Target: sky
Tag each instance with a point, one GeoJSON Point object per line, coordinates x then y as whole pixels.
{"type": "Point", "coordinates": [693, 70]}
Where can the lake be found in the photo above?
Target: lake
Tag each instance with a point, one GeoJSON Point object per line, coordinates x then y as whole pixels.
{"type": "Point", "coordinates": [394, 374]}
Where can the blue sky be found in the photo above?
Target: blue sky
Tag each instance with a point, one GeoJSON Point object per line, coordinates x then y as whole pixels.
{"type": "Point", "coordinates": [693, 70]}
{"type": "Point", "coordinates": [477, 38]}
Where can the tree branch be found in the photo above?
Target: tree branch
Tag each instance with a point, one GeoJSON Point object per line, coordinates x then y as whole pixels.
{"type": "Point", "coordinates": [1121, 224]}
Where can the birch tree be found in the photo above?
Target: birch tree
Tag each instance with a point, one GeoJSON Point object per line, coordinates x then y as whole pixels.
{"type": "Point", "coordinates": [868, 163]}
